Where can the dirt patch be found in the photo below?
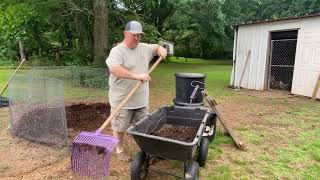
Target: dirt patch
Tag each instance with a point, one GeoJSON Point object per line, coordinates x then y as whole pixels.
{"type": "Point", "coordinates": [177, 132]}
{"type": "Point", "coordinates": [250, 115]}
{"type": "Point", "coordinates": [28, 160]}
{"type": "Point", "coordinates": [85, 117]}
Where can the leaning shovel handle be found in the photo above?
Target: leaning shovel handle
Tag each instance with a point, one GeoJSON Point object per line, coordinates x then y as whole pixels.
{"type": "Point", "coordinates": [125, 100]}
{"type": "Point", "coordinates": [6, 85]}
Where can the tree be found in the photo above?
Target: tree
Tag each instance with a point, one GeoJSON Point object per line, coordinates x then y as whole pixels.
{"type": "Point", "coordinates": [197, 27]}
{"type": "Point", "coordinates": [100, 32]}
{"type": "Point", "coordinates": [16, 21]}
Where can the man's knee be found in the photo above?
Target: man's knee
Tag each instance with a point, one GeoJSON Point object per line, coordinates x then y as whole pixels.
{"type": "Point", "coordinates": [122, 121]}
{"type": "Point", "coordinates": [139, 114]}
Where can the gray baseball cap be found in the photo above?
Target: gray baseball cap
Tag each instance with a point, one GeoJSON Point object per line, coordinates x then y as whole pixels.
{"type": "Point", "coordinates": [134, 27]}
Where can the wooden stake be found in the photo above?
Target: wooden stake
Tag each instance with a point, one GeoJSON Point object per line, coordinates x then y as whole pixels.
{"type": "Point", "coordinates": [316, 89]}
{"type": "Point", "coordinates": [244, 69]}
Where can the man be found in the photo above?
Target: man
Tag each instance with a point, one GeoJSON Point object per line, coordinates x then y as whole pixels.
{"type": "Point", "coordinates": [128, 62]}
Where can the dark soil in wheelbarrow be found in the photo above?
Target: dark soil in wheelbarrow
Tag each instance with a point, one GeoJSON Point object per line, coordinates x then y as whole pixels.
{"type": "Point", "coordinates": [177, 132]}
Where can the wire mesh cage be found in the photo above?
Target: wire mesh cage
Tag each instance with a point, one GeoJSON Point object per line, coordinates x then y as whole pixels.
{"type": "Point", "coordinates": [37, 110]}
{"type": "Point", "coordinates": [76, 76]}
{"type": "Point", "coordinates": [282, 64]}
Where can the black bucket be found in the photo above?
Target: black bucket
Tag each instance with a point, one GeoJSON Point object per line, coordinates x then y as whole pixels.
{"type": "Point", "coordinates": [4, 102]}
{"type": "Point", "coordinates": [186, 83]}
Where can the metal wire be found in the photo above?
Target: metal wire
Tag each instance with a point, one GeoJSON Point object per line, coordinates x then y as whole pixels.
{"type": "Point", "coordinates": [281, 65]}
{"type": "Point", "coordinates": [37, 110]}
{"type": "Point", "coordinates": [199, 82]}
{"type": "Point", "coordinates": [76, 76]}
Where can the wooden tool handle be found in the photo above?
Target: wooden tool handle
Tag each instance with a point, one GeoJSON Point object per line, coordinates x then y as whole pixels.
{"type": "Point", "coordinates": [316, 89]}
{"type": "Point", "coordinates": [125, 100]}
{"type": "Point", "coordinates": [6, 85]}
{"type": "Point", "coordinates": [212, 103]}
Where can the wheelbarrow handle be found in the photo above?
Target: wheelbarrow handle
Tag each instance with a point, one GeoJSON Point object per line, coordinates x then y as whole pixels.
{"type": "Point", "coordinates": [6, 85]}
{"type": "Point", "coordinates": [125, 100]}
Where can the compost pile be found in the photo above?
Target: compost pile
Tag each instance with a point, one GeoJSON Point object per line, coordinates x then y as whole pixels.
{"type": "Point", "coordinates": [176, 132]}
{"type": "Point", "coordinates": [46, 125]}
{"type": "Point", "coordinates": [42, 125]}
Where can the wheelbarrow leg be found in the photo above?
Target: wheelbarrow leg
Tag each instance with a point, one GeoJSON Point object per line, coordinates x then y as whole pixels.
{"type": "Point", "coordinates": [139, 166]}
{"type": "Point", "coordinates": [191, 170]}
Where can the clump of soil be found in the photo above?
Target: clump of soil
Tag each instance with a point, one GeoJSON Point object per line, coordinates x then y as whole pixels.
{"type": "Point", "coordinates": [177, 132]}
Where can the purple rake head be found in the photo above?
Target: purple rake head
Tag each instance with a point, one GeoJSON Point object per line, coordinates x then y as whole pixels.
{"type": "Point", "coordinates": [92, 153]}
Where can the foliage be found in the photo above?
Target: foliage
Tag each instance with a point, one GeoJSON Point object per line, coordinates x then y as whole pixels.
{"type": "Point", "coordinates": [62, 32]}
{"type": "Point", "coordinates": [197, 27]}
{"type": "Point", "coordinates": [88, 77]}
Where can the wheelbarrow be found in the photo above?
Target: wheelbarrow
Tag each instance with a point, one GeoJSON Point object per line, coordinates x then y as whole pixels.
{"type": "Point", "coordinates": [192, 154]}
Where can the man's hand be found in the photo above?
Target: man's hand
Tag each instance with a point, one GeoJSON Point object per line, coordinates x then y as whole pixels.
{"type": "Point", "coordinates": [161, 51]}
{"type": "Point", "coordinates": [142, 77]}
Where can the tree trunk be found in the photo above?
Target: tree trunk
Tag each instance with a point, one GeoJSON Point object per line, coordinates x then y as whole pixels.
{"type": "Point", "coordinates": [100, 32]}
{"type": "Point", "coordinates": [22, 51]}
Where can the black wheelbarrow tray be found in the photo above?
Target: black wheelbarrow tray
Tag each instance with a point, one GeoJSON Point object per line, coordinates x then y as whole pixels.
{"type": "Point", "coordinates": [165, 148]}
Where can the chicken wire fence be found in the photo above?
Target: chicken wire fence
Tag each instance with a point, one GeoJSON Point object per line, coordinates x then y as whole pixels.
{"type": "Point", "coordinates": [75, 76]}
{"type": "Point", "coordinates": [36, 101]}
{"type": "Point", "coordinates": [282, 64]}
{"type": "Point", "coordinates": [37, 110]}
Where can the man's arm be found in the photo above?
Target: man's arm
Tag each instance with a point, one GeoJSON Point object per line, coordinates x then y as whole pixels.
{"type": "Point", "coordinates": [161, 51]}
{"type": "Point", "coordinates": [122, 72]}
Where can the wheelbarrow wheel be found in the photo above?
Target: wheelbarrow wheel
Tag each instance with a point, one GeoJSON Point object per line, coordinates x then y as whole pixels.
{"type": "Point", "coordinates": [203, 151]}
{"type": "Point", "coordinates": [139, 166]}
{"type": "Point", "coordinates": [192, 171]}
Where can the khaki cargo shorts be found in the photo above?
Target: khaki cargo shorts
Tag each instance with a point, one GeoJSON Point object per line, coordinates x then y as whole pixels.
{"type": "Point", "coordinates": [127, 116]}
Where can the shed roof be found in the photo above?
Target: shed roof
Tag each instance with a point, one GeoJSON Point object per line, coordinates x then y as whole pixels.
{"type": "Point", "coordinates": [274, 20]}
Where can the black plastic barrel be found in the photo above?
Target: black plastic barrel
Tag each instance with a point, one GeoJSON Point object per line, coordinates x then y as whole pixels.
{"type": "Point", "coordinates": [185, 85]}
{"type": "Point", "coordinates": [4, 102]}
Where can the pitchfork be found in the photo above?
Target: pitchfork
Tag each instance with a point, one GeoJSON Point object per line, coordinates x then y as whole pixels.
{"type": "Point", "coordinates": [92, 152]}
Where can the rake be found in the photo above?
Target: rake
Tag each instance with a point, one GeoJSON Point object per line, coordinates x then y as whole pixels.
{"type": "Point", "coordinates": [92, 151]}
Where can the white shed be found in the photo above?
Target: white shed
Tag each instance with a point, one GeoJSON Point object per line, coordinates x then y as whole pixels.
{"type": "Point", "coordinates": [168, 45]}
{"type": "Point", "coordinates": [278, 54]}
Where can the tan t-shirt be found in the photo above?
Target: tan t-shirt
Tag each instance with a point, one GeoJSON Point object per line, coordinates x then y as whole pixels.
{"type": "Point", "coordinates": [135, 60]}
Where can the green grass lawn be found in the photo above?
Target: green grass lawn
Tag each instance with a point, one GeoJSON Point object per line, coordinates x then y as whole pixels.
{"type": "Point", "coordinates": [217, 71]}
{"type": "Point", "coordinates": [4, 76]}
{"type": "Point", "coordinates": [163, 79]}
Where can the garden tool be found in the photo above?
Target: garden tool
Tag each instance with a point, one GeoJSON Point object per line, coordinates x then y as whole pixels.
{"type": "Point", "coordinates": [4, 102]}
{"type": "Point", "coordinates": [14, 73]}
{"type": "Point", "coordinates": [92, 151]}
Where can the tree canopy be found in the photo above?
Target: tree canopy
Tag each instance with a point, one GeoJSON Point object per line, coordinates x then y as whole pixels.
{"type": "Point", "coordinates": [82, 32]}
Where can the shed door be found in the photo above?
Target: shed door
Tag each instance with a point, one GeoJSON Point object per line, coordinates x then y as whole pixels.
{"type": "Point", "coordinates": [307, 63]}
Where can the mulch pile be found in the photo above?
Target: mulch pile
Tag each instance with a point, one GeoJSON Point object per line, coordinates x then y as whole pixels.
{"type": "Point", "coordinates": [85, 117]}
